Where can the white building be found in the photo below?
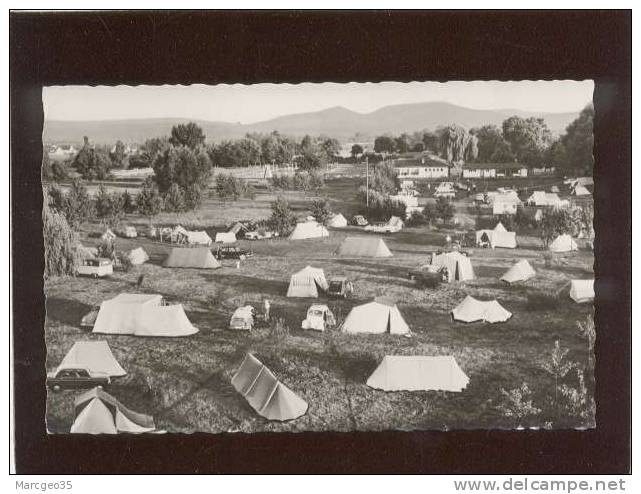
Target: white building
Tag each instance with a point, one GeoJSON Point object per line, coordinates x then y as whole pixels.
{"type": "Point", "coordinates": [494, 170]}
{"type": "Point", "coordinates": [423, 167]}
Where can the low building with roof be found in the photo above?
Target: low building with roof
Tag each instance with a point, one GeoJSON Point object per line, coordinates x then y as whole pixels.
{"type": "Point", "coordinates": [494, 170]}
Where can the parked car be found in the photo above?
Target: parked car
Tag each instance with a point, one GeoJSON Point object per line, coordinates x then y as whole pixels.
{"type": "Point", "coordinates": [243, 318]}
{"type": "Point", "coordinates": [232, 252]}
{"type": "Point", "coordinates": [319, 317]}
{"type": "Point", "coordinates": [256, 235]}
{"type": "Point", "coordinates": [77, 378]}
{"type": "Point", "coordinates": [96, 268]}
{"type": "Point", "coordinates": [426, 276]}
{"type": "Point", "coordinates": [340, 287]}
{"type": "Point", "coordinates": [359, 220]}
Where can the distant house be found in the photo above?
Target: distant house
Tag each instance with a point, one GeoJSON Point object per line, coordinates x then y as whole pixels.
{"type": "Point", "coordinates": [494, 170]}
{"type": "Point", "coordinates": [542, 170]}
{"type": "Point", "coordinates": [62, 152]}
{"type": "Point", "coordinates": [423, 167]}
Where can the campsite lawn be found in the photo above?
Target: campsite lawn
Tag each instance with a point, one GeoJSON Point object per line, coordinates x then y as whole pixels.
{"type": "Point", "coordinates": [185, 383]}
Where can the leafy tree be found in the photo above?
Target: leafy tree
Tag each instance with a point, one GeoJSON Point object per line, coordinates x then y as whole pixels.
{"type": "Point", "coordinates": [91, 163]}
{"type": "Point", "coordinates": [118, 155]}
{"type": "Point", "coordinates": [578, 142]}
{"type": "Point", "coordinates": [557, 155]}
{"type": "Point", "coordinates": [555, 221]}
{"type": "Point", "coordinates": [457, 144]}
{"type": "Point", "coordinates": [282, 219]}
{"type": "Point", "coordinates": [149, 200]}
{"type": "Point", "coordinates": [128, 204]}
{"type": "Point", "coordinates": [418, 147]}
{"type": "Point", "coordinates": [60, 241]}
{"type": "Point", "coordinates": [77, 206]}
{"type": "Point", "coordinates": [444, 209]}
{"type": "Point", "coordinates": [193, 197]}
{"type": "Point", "coordinates": [384, 178]}
{"type": "Point", "coordinates": [147, 153]}
{"type": "Point", "coordinates": [517, 404]}
{"type": "Point", "coordinates": [102, 203]}
{"type": "Point", "coordinates": [316, 180]}
{"type": "Point", "coordinates": [579, 403]}
{"type": "Point", "coordinates": [431, 141]}
{"type": "Point", "coordinates": [110, 207]}
{"type": "Point", "coordinates": [227, 187]}
{"type": "Point", "coordinates": [384, 144]}
{"type": "Point", "coordinates": [174, 199]}
{"type": "Point", "coordinates": [357, 151]}
{"type": "Point", "coordinates": [557, 367]}
{"type": "Point", "coordinates": [529, 138]}
{"type": "Point", "coordinates": [492, 147]}
{"type": "Point", "coordinates": [53, 170]}
{"type": "Point", "coordinates": [402, 144]}
{"type": "Point", "coordinates": [430, 214]}
{"type": "Point", "coordinates": [189, 135]}
{"type": "Point", "coordinates": [331, 149]}
{"type": "Point", "coordinates": [320, 210]}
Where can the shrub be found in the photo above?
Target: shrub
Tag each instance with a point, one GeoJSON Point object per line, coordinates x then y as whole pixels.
{"type": "Point", "coordinates": [76, 205]}
{"type": "Point", "coordinates": [444, 209]}
{"type": "Point", "coordinates": [579, 402]}
{"type": "Point", "coordinates": [107, 249]}
{"type": "Point", "coordinates": [60, 241]}
{"type": "Point", "coordinates": [149, 200]}
{"type": "Point", "coordinates": [320, 210]}
{"type": "Point", "coordinates": [174, 200]}
{"type": "Point", "coordinates": [125, 262]}
{"type": "Point", "coordinates": [128, 203]}
{"type": "Point", "coordinates": [517, 404]}
{"type": "Point", "coordinates": [282, 219]}
{"type": "Point", "coordinates": [555, 222]}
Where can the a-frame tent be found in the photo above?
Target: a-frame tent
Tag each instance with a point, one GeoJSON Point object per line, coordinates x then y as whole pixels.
{"type": "Point", "coordinates": [191, 257]}
{"type": "Point", "coordinates": [376, 317]}
{"type": "Point", "coordinates": [307, 282]}
{"type": "Point", "coordinates": [93, 355]}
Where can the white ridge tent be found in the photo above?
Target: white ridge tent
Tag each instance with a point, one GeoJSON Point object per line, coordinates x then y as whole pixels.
{"type": "Point", "coordinates": [95, 356]}
{"type": "Point", "coordinates": [378, 316]}
{"type": "Point", "coordinates": [459, 266]}
{"type": "Point", "coordinates": [97, 412]}
{"type": "Point", "coordinates": [521, 271]}
{"type": "Point", "coordinates": [225, 237]}
{"type": "Point", "coordinates": [418, 373]}
{"type": "Point", "coordinates": [309, 229]}
{"type": "Point", "coordinates": [198, 238]}
{"type": "Point", "coordinates": [563, 243]}
{"type": "Point", "coordinates": [265, 393]}
{"type": "Point", "coordinates": [307, 282]}
{"type": "Point", "coordinates": [582, 291]}
{"type": "Point", "coordinates": [137, 256]}
{"type": "Point", "coordinates": [363, 247]}
{"type": "Point", "coordinates": [499, 237]}
{"type": "Point", "coordinates": [338, 221]}
{"type": "Point", "coordinates": [500, 228]}
{"type": "Point", "coordinates": [396, 223]}
{"type": "Point", "coordinates": [472, 310]}
{"type": "Point", "coordinates": [580, 190]}
{"type": "Point", "coordinates": [191, 257]}
{"type": "Point", "coordinates": [142, 315]}
{"type": "Point", "coordinates": [108, 235]}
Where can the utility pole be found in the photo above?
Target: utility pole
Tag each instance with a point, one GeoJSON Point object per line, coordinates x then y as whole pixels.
{"type": "Point", "coordinates": [367, 180]}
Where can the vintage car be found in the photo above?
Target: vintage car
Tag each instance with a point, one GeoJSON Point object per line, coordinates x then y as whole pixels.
{"type": "Point", "coordinates": [96, 268]}
{"type": "Point", "coordinates": [359, 220]}
{"type": "Point", "coordinates": [426, 276]}
{"type": "Point", "coordinates": [76, 377]}
{"type": "Point", "coordinates": [340, 287]}
{"type": "Point", "coordinates": [319, 318]}
{"type": "Point", "coordinates": [232, 252]}
{"type": "Point", "coordinates": [243, 318]}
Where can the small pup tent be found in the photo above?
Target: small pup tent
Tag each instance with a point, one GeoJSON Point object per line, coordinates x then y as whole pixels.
{"type": "Point", "coordinates": [198, 238]}
{"type": "Point", "coordinates": [338, 221]}
{"type": "Point", "coordinates": [93, 355]}
{"type": "Point", "coordinates": [418, 373]}
{"type": "Point", "coordinates": [500, 228]}
{"type": "Point", "coordinates": [499, 237]}
{"type": "Point", "coordinates": [459, 266]}
{"type": "Point", "coordinates": [363, 247]}
{"type": "Point", "coordinates": [309, 229]}
{"type": "Point", "coordinates": [582, 291]}
{"type": "Point", "coordinates": [265, 393]}
{"type": "Point", "coordinates": [128, 232]}
{"type": "Point", "coordinates": [187, 257]}
{"type": "Point", "coordinates": [395, 223]}
{"type": "Point", "coordinates": [472, 310]}
{"type": "Point", "coordinates": [376, 317]}
{"type": "Point", "coordinates": [563, 243]}
{"type": "Point", "coordinates": [97, 412]}
{"type": "Point", "coordinates": [137, 256]}
{"type": "Point", "coordinates": [108, 235]}
{"type": "Point", "coordinates": [521, 271]}
{"type": "Point", "coordinates": [307, 282]}
{"type": "Point", "coordinates": [142, 315]}
{"type": "Point", "coordinates": [580, 190]}
{"type": "Point", "coordinates": [225, 237]}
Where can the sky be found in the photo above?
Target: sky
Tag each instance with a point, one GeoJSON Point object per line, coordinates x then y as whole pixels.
{"type": "Point", "coordinates": [254, 103]}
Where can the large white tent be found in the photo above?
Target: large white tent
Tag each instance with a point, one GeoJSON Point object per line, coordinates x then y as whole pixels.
{"type": "Point", "coordinates": [521, 271]}
{"type": "Point", "coordinates": [459, 266]}
{"type": "Point", "coordinates": [95, 356]}
{"type": "Point", "coordinates": [582, 291]}
{"type": "Point", "coordinates": [225, 237]}
{"type": "Point", "coordinates": [137, 256]}
{"type": "Point", "coordinates": [472, 310]}
{"type": "Point", "coordinates": [363, 247]}
{"type": "Point", "coordinates": [307, 282]}
{"type": "Point", "coordinates": [308, 229]}
{"type": "Point", "coordinates": [580, 190]}
{"type": "Point", "coordinates": [378, 316]}
{"type": "Point", "coordinates": [142, 315]}
{"type": "Point", "coordinates": [198, 238]}
{"type": "Point", "coordinates": [97, 412]}
{"type": "Point", "coordinates": [498, 237]}
{"type": "Point", "coordinates": [265, 393]}
{"type": "Point", "coordinates": [563, 243]}
{"type": "Point", "coordinates": [191, 257]}
{"type": "Point", "coordinates": [418, 373]}
{"type": "Point", "coordinates": [337, 221]}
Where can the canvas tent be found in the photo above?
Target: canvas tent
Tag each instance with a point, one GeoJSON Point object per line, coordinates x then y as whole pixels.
{"type": "Point", "coordinates": [459, 266]}
{"type": "Point", "coordinates": [521, 271]}
{"type": "Point", "coordinates": [307, 282]}
{"type": "Point", "coordinates": [396, 223]}
{"type": "Point", "coordinates": [238, 229]}
{"type": "Point", "coordinates": [376, 317]}
{"type": "Point", "coordinates": [418, 373]}
{"type": "Point", "coordinates": [198, 238]}
{"type": "Point", "coordinates": [265, 393]}
{"type": "Point", "coordinates": [582, 291]}
{"type": "Point", "coordinates": [309, 229]}
{"type": "Point", "coordinates": [97, 412]}
{"type": "Point", "coordinates": [506, 203]}
{"type": "Point", "coordinates": [542, 198]}
{"type": "Point", "coordinates": [580, 190]}
{"type": "Point", "coordinates": [338, 221]}
{"type": "Point", "coordinates": [363, 247]}
{"type": "Point", "coordinates": [142, 315]}
{"type": "Point", "coordinates": [499, 237]}
{"type": "Point", "coordinates": [188, 257]}
{"type": "Point", "coordinates": [500, 228]}
{"type": "Point", "coordinates": [95, 356]}
{"type": "Point", "coordinates": [108, 235]}
{"type": "Point", "coordinates": [137, 256]}
{"type": "Point", "coordinates": [225, 237]}
{"type": "Point", "coordinates": [563, 243]}
{"type": "Point", "coordinates": [472, 310]}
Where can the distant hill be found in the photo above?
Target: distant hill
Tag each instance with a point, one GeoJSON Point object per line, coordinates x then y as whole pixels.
{"type": "Point", "coordinates": [337, 122]}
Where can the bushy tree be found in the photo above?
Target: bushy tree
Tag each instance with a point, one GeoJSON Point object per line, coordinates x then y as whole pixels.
{"type": "Point", "coordinates": [149, 200]}
{"type": "Point", "coordinates": [444, 209]}
{"type": "Point", "coordinates": [457, 144]}
{"type": "Point", "coordinates": [357, 151]}
{"type": "Point", "coordinates": [77, 206]}
{"type": "Point", "coordinates": [174, 199]}
{"type": "Point", "coordinates": [381, 206]}
{"type": "Point", "coordinates": [91, 163]}
{"type": "Point", "coordinates": [529, 139]}
{"type": "Point", "coordinates": [282, 218]}
{"type": "Point", "coordinates": [118, 155]}
{"type": "Point", "coordinates": [189, 135]}
{"type": "Point", "coordinates": [578, 142]}
{"type": "Point", "coordinates": [320, 210]}
{"type": "Point", "coordinates": [53, 170]}
{"type": "Point", "coordinates": [384, 144]}
{"type": "Point", "coordinates": [555, 221]}
{"type": "Point", "coordinates": [147, 153]}
{"type": "Point", "coordinates": [431, 142]}
{"type": "Point", "coordinates": [228, 187]}
{"type": "Point", "coordinates": [402, 143]}
{"type": "Point", "coordinates": [330, 148]}
{"type": "Point", "coordinates": [193, 197]}
{"type": "Point", "coordinates": [557, 367]}
{"type": "Point", "coordinates": [109, 207]}
{"type": "Point", "coordinates": [579, 402]}
{"type": "Point", "coordinates": [492, 147]}
{"type": "Point", "coordinates": [517, 404]}
{"type": "Point", "coordinates": [128, 203]}
{"type": "Point", "coordinates": [60, 243]}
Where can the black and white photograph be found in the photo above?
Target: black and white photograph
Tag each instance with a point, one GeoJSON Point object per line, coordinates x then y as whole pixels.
{"type": "Point", "coordinates": [319, 257]}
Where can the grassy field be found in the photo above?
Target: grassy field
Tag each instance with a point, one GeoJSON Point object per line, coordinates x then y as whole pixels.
{"type": "Point", "coordinates": [185, 383]}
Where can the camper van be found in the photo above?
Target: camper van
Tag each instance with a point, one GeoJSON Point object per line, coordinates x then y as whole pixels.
{"type": "Point", "coordinates": [340, 287]}
{"type": "Point", "coordinates": [96, 268]}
